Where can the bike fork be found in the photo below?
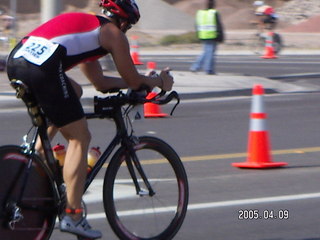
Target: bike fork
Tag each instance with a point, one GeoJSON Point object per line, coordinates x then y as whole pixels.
{"type": "Point", "coordinates": [132, 157]}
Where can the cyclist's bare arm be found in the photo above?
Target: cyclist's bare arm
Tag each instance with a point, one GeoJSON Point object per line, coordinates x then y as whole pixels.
{"type": "Point", "coordinates": [94, 73]}
{"type": "Point", "coordinates": [113, 40]}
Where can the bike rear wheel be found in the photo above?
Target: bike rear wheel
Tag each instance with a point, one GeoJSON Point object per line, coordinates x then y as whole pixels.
{"type": "Point", "coordinates": [38, 202]}
{"type": "Point", "coordinates": [141, 216]}
{"type": "Point", "coordinates": [277, 43]}
{"type": "Point", "coordinates": [259, 43]}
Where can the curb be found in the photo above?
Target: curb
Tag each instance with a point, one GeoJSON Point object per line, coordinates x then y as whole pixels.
{"type": "Point", "coordinates": [221, 94]}
{"type": "Point", "coordinates": [88, 101]}
{"type": "Point", "coordinates": [291, 76]}
{"type": "Point", "coordinates": [9, 101]}
{"type": "Point", "coordinates": [222, 86]}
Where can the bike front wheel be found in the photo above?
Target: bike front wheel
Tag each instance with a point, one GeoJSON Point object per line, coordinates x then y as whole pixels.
{"type": "Point", "coordinates": [27, 196]}
{"type": "Point", "coordinates": [144, 215]}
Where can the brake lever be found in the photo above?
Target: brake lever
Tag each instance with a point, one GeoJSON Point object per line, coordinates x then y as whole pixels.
{"type": "Point", "coordinates": [175, 95]}
{"type": "Point", "coordinates": [158, 96]}
{"type": "Point", "coordinates": [161, 94]}
{"type": "Point", "coordinates": [172, 95]}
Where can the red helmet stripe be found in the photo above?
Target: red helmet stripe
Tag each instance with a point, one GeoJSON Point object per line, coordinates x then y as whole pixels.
{"type": "Point", "coordinates": [114, 8]}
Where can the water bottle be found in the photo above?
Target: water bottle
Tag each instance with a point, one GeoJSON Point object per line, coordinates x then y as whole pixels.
{"type": "Point", "coordinates": [59, 152]}
{"type": "Point", "coordinates": [93, 156]}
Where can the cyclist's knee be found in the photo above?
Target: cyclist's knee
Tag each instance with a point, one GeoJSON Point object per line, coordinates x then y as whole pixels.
{"type": "Point", "coordinates": [77, 130]}
{"type": "Point", "coordinates": [85, 136]}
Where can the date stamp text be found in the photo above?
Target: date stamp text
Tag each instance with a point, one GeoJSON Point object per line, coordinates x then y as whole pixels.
{"type": "Point", "coordinates": [255, 214]}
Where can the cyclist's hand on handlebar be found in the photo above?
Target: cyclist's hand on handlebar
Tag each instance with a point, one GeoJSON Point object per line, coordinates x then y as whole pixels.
{"type": "Point", "coordinates": [166, 79]}
{"type": "Point", "coordinates": [151, 73]}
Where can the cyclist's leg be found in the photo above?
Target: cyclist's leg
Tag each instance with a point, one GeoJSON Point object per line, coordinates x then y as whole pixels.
{"type": "Point", "coordinates": [58, 98]}
{"type": "Point", "coordinates": [64, 110]}
{"type": "Point", "coordinates": [78, 136]}
{"type": "Point", "coordinates": [74, 173]}
{"type": "Point", "coordinates": [73, 126]}
{"type": "Point", "coordinates": [52, 130]}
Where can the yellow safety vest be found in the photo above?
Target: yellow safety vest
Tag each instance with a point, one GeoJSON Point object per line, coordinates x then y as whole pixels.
{"type": "Point", "coordinates": [206, 24]}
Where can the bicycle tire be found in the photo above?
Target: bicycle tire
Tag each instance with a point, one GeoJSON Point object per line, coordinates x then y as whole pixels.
{"type": "Point", "coordinates": [127, 213]}
{"type": "Point", "coordinates": [258, 44]}
{"type": "Point", "coordinates": [39, 200]}
{"type": "Point", "coordinates": [277, 43]}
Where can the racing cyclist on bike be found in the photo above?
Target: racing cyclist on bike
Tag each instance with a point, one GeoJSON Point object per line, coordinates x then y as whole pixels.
{"type": "Point", "coordinates": [267, 18]}
{"type": "Point", "coordinates": [41, 59]}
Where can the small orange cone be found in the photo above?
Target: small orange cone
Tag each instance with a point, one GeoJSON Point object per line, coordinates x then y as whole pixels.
{"type": "Point", "coordinates": [151, 65]}
{"type": "Point", "coordinates": [269, 50]}
{"type": "Point", "coordinates": [134, 51]}
{"type": "Point", "coordinates": [152, 109]}
{"type": "Point", "coordinates": [258, 143]}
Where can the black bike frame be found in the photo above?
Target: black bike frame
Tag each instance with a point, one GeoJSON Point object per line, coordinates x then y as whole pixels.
{"type": "Point", "coordinates": [120, 134]}
{"type": "Point", "coordinates": [123, 138]}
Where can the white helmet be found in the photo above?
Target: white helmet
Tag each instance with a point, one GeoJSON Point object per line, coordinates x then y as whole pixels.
{"type": "Point", "coordinates": [258, 3]}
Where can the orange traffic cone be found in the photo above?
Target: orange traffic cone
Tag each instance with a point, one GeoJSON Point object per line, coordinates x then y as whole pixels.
{"type": "Point", "coordinates": [152, 109]}
{"type": "Point", "coordinates": [269, 49]}
{"type": "Point", "coordinates": [151, 65]}
{"type": "Point", "coordinates": [134, 51]}
{"type": "Point", "coordinates": [258, 144]}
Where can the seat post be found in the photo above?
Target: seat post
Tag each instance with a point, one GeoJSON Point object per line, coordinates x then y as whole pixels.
{"type": "Point", "coordinates": [34, 111]}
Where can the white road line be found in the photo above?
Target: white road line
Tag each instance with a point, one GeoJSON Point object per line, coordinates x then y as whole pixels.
{"type": "Point", "coordinates": [208, 205]}
{"type": "Point", "coordinates": [253, 201]}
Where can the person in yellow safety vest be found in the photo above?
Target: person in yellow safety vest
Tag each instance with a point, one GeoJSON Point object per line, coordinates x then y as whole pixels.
{"type": "Point", "coordinates": [210, 32]}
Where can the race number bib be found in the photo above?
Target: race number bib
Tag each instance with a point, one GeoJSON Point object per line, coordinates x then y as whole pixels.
{"type": "Point", "coordinates": [36, 50]}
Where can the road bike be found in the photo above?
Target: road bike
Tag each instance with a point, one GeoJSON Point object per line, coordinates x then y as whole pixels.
{"type": "Point", "coordinates": [258, 40]}
{"type": "Point", "coordinates": [145, 190]}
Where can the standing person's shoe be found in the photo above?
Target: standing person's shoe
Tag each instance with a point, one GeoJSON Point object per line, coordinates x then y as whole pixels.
{"type": "Point", "coordinates": [80, 227]}
{"type": "Point", "coordinates": [211, 73]}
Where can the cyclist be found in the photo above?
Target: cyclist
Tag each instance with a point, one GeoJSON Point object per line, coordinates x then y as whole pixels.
{"type": "Point", "coordinates": [267, 18]}
{"type": "Point", "coordinates": [41, 59]}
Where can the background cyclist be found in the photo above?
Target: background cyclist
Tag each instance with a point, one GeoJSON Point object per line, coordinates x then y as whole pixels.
{"type": "Point", "coordinates": [266, 16]}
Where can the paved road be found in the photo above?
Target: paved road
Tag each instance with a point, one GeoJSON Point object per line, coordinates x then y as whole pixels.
{"type": "Point", "coordinates": [209, 139]}
{"type": "Point", "coordinates": [216, 136]}
{"type": "Point", "coordinates": [251, 65]}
